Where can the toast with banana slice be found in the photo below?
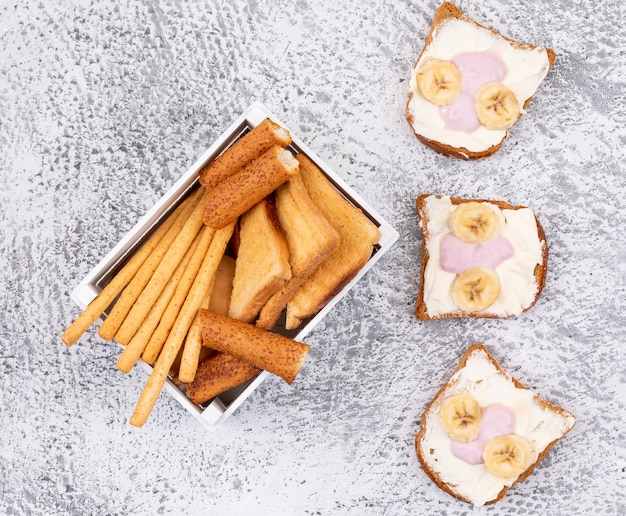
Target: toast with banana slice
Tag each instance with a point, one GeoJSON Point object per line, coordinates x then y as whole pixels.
{"type": "Point", "coordinates": [262, 263]}
{"type": "Point", "coordinates": [480, 258]}
{"type": "Point", "coordinates": [470, 85]}
{"type": "Point", "coordinates": [485, 432]}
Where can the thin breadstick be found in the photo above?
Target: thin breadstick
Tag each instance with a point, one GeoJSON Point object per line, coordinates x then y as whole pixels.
{"type": "Point", "coordinates": [193, 345]}
{"type": "Point", "coordinates": [161, 276]}
{"type": "Point", "coordinates": [219, 299]}
{"type": "Point", "coordinates": [130, 294]}
{"type": "Point", "coordinates": [243, 151]}
{"type": "Point", "coordinates": [137, 344]}
{"type": "Point", "coordinates": [119, 281]}
{"type": "Point", "coordinates": [170, 350]}
{"type": "Point", "coordinates": [160, 334]}
{"type": "Point", "coordinates": [239, 192]}
{"type": "Point", "coordinates": [270, 351]}
{"type": "Point", "coordinates": [217, 374]}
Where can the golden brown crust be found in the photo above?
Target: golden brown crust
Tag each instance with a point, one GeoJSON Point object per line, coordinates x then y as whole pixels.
{"type": "Point", "coordinates": [357, 234]}
{"type": "Point", "coordinates": [239, 192]}
{"type": "Point", "coordinates": [446, 12]}
{"type": "Point", "coordinates": [262, 265]}
{"type": "Point", "coordinates": [218, 374]}
{"type": "Point", "coordinates": [243, 151]}
{"type": "Point", "coordinates": [540, 269]}
{"type": "Point", "coordinates": [310, 238]}
{"type": "Point", "coordinates": [273, 352]}
{"type": "Point", "coordinates": [223, 285]}
{"type": "Point", "coordinates": [434, 476]}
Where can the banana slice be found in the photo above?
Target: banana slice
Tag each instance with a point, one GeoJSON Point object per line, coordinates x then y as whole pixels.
{"type": "Point", "coordinates": [496, 106]}
{"type": "Point", "coordinates": [508, 456]}
{"type": "Point", "coordinates": [475, 289]}
{"type": "Point", "coordinates": [474, 222]}
{"type": "Point", "coordinates": [460, 417]}
{"type": "Point", "coordinates": [439, 81]}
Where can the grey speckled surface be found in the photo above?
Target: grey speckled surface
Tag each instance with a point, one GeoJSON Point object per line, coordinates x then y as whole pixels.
{"type": "Point", "coordinates": [103, 106]}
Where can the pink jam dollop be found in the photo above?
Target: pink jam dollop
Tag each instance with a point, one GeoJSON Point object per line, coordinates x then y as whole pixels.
{"type": "Point", "coordinates": [457, 256]}
{"type": "Point", "coordinates": [477, 68]}
{"type": "Point", "coordinates": [496, 420]}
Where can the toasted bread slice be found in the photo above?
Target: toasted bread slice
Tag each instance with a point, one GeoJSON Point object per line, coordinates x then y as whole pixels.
{"type": "Point", "coordinates": [521, 277]}
{"type": "Point", "coordinates": [310, 238]}
{"type": "Point", "coordinates": [262, 264]}
{"type": "Point", "coordinates": [357, 233]}
{"type": "Point", "coordinates": [223, 285]}
{"type": "Point", "coordinates": [453, 33]}
{"type": "Point", "coordinates": [534, 418]}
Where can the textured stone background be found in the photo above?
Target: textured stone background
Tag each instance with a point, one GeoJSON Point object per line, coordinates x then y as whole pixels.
{"type": "Point", "coordinates": [104, 105]}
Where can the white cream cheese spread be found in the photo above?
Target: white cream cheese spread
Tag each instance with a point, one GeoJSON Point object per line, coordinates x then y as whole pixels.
{"type": "Point", "coordinates": [518, 285]}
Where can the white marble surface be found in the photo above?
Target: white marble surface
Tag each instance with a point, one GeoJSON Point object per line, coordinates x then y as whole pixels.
{"type": "Point", "coordinates": [103, 105]}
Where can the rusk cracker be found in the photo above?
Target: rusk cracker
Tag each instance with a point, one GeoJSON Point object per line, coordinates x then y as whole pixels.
{"type": "Point", "coordinates": [239, 192]}
{"type": "Point", "coordinates": [246, 149]}
{"type": "Point", "coordinates": [279, 355]}
{"type": "Point", "coordinates": [217, 374]}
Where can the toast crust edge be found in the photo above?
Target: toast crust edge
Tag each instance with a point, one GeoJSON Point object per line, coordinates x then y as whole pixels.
{"type": "Point", "coordinates": [368, 235]}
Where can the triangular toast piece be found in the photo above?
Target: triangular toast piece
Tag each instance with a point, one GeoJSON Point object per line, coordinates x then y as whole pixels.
{"type": "Point", "coordinates": [262, 263]}
{"type": "Point", "coordinates": [358, 236]}
{"type": "Point", "coordinates": [310, 238]}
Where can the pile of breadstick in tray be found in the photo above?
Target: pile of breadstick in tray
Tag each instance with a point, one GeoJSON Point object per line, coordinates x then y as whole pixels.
{"type": "Point", "coordinates": [264, 233]}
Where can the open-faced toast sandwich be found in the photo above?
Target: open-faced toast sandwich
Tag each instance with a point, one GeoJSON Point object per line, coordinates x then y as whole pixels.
{"type": "Point", "coordinates": [470, 85]}
{"type": "Point", "coordinates": [480, 258]}
{"type": "Point", "coordinates": [484, 431]}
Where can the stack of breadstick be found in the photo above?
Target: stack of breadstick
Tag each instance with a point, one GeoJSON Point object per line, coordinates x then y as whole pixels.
{"type": "Point", "coordinates": [178, 301]}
